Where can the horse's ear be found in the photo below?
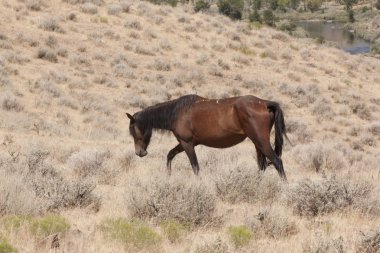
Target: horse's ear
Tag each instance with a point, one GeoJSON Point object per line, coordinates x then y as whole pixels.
{"type": "Point", "coordinates": [130, 117]}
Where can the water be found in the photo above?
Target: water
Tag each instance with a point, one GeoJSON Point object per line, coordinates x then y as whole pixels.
{"type": "Point", "coordinates": [335, 32]}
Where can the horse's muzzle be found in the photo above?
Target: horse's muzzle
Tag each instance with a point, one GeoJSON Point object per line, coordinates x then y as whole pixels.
{"type": "Point", "coordinates": [142, 153]}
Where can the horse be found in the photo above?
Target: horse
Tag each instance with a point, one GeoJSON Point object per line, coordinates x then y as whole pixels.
{"type": "Point", "coordinates": [217, 123]}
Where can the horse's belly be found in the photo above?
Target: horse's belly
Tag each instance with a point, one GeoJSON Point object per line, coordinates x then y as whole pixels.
{"type": "Point", "coordinates": [221, 142]}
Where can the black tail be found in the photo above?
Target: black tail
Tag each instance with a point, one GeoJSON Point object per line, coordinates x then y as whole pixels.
{"type": "Point", "coordinates": [279, 126]}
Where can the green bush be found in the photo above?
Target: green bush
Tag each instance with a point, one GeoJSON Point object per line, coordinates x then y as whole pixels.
{"type": "Point", "coordinates": [268, 17]}
{"type": "Point", "coordinates": [231, 8]}
{"type": "Point", "coordinates": [132, 233]}
{"type": "Point", "coordinates": [172, 3]}
{"type": "Point", "coordinates": [351, 17]}
{"type": "Point", "coordinates": [375, 49]}
{"type": "Point", "coordinates": [254, 16]}
{"type": "Point", "coordinates": [201, 6]}
{"type": "Point", "coordinates": [256, 4]}
{"type": "Point", "coordinates": [294, 4]}
{"type": "Point", "coordinates": [365, 9]}
{"type": "Point", "coordinates": [5, 247]}
{"type": "Point", "coordinates": [239, 235]}
{"type": "Point", "coordinates": [13, 221]}
{"type": "Point", "coordinates": [174, 230]}
{"type": "Point", "coordinates": [49, 225]}
{"type": "Point", "coordinates": [313, 5]}
{"type": "Point", "coordinates": [377, 5]}
{"type": "Point", "coordinates": [286, 26]}
{"type": "Point", "coordinates": [273, 4]}
{"type": "Point", "coordinates": [320, 40]}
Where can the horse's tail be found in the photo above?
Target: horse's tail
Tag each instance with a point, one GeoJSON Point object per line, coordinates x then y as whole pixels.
{"type": "Point", "coordinates": [279, 125]}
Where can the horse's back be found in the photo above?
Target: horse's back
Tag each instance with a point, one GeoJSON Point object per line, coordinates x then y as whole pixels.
{"type": "Point", "coordinates": [211, 122]}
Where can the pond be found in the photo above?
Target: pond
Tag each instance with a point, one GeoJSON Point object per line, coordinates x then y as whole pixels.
{"type": "Point", "coordinates": [334, 31]}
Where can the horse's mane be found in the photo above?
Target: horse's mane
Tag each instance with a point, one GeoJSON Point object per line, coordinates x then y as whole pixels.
{"type": "Point", "coordinates": [163, 115]}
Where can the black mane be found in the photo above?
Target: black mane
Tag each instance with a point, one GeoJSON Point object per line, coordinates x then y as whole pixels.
{"type": "Point", "coordinates": [162, 116]}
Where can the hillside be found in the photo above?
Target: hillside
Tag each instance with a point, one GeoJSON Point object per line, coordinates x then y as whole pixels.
{"type": "Point", "coordinates": [70, 69]}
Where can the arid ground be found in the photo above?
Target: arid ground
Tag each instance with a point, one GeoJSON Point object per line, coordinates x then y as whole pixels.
{"type": "Point", "coordinates": [70, 181]}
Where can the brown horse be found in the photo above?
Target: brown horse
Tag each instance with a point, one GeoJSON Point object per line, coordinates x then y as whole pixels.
{"type": "Point", "coordinates": [217, 123]}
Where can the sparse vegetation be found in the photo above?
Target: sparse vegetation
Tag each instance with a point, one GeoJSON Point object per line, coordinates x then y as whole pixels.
{"type": "Point", "coordinates": [245, 184]}
{"type": "Point", "coordinates": [89, 8]}
{"type": "Point", "coordinates": [71, 69]}
{"type": "Point", "coordinates": [317, 198]}
{"type": "Point", "coordinates": [114, 9]}
{"type": "Point", "coordinates": [48, 55]}
{"type": "Point", "coordinates": [239, 235]}
{"type": "Point", "coordinates": [211, 245]}
{"type": "Point", "coordinates": [163, 198]}
{"type": "Point", "coordinates": [370, 242]}
{"type": "Point", "coordinates": [321, 156]}
{"type": "Point", "coordinates": [5, 247]}
{"type": "Point", "coordinates": [49, 225]}
{"type": "Point", "coordinates": [268, 17]}
{"type": "Point", "coordinates": [231, 8]}
{"type": "Point", "coordinates": [172, 3]}
{"type": "Point", "coordinates": [52, 25]}
{"type": "Point", "coordinates": [9, 102]}
{"type": "Point", "coordinates": [313, 5]}
{"type": "Point", "coordinates": [173, 230]}
{"type": "Point", "coordinates": [267, 224]}
{"type": "Point", "coordinates": [201, 5]}
{"type": "Point", "coordinates": [132, 233]}
{"type": "Point", "coordinates": [88, 162]}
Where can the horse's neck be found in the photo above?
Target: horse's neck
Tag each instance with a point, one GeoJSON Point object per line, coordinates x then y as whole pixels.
{"type": "Point", "coordinates": [158, 117]}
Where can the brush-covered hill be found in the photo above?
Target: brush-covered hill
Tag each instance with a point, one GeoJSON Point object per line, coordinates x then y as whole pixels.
{"type": "Point", "coordinates": [69, 70]}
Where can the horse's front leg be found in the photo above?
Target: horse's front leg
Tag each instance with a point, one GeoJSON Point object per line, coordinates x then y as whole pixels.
{"type": "Point", "coordinates": [172, 153]}
{"type": "Point", "coordinates": [190, 152]}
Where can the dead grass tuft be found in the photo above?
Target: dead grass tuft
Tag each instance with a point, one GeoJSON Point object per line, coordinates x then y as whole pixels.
{"type": "Point", "coordinates": [361, 110]}
{"type": "Point", "coordinates": [9, 102]}
{"type": "Point", "coordinates": [35, 5]}
{"type": "Point", "coordinates": [172, 198]}
{"type": "Point", "coordinates": [310, 198]}
{"type": "Point", "coordinates": [245, 184]}
{"type": "Point", "coordinates": [272, 225]}
{"type": "Point", "coordinates": [47, 54]}
{"type": "Point", "coordinates": [319, 156]}
{"type": "Point", "coordinates": [114, 9]}
{"type": "Point", "coordinates": [370, 243]}
{"type": "Point", "coordinates": [51, 25]}
{"type": "Point", "coordinates": [88, 162]}
{"type": "Point", "coordinates": [322, 243]}
{"type": "Point", "coordinates": [210, 244]}
{"type": "Point", "coordinates": [301, 95]}
{"type": "Point", "coordinates": [89, 8]}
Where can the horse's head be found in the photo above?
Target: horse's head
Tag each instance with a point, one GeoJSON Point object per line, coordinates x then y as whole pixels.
{"type": "Point", "coordinates": [141, 135]}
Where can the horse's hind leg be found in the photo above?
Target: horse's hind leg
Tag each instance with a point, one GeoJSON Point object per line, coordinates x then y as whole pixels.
{"type": "Point", "coordinates": [277, 162]}
{"type": "Point", "coordinates": [172, 153]}
{"type": "Point", "coordinates": [261, 159]}
{"type": "Point", "coordinates": [261, 139]}
{"type": "Point", "coordinates": [190, 152]}
{"type": "Point", "coordinates": [267, 150]}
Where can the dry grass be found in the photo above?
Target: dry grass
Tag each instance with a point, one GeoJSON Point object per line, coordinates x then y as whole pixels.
{"type": "Point", "coordinates": [321, 156]}
{"type": "Point", "coordinates": [370, 243]}
{"type": "Point", "coordinates": [9, 102]}
{"type": "Point", "coordinates": [317, 198]}
{"type": "Point", "coordinates": [67, 80]}
{"type": "Point", "coordinates": [169, 198]}
{"type": "Point", "coordinates": [245, 184]}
